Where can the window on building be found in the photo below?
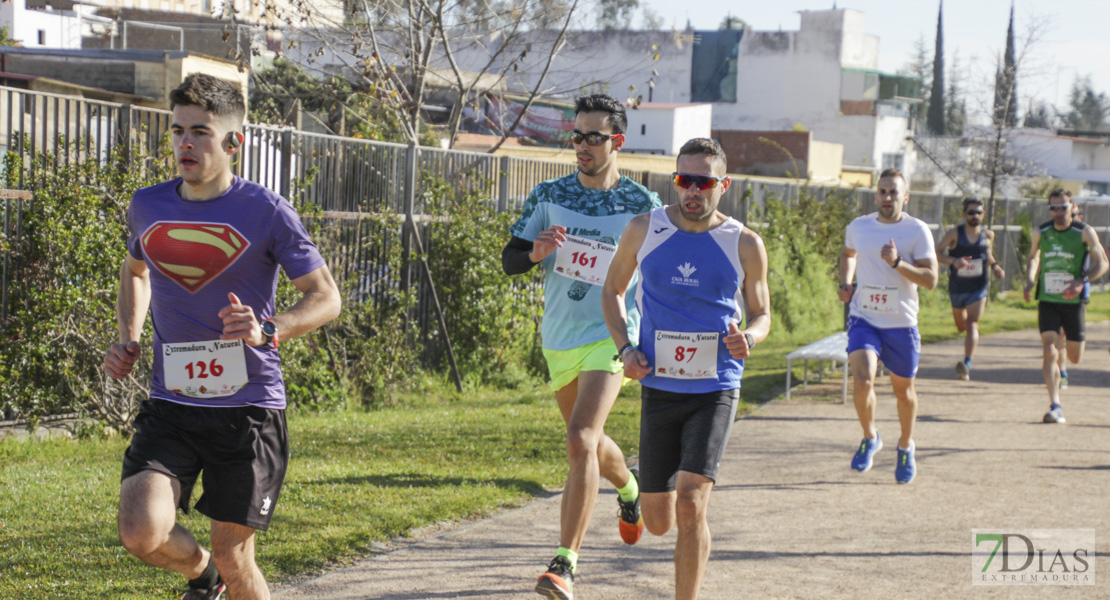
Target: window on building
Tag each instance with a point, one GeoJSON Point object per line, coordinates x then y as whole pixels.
{"type": "Point", "coordinates": [892, 161]}
{"type": "Point", "coordinates": [42, 37]}
{"type": "Point", "coordinates": [643, 129]}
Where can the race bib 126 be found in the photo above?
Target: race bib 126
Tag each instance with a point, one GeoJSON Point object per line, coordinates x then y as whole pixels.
{"type": "Point", "coordinates": [210, 369]}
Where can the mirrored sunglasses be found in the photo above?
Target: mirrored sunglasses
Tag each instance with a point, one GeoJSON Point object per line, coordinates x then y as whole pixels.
{"type": "Point", "coordinates": [703, 182]}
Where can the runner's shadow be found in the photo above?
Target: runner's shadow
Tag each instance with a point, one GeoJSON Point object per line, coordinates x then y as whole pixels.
{"type": "Point", "coordinates": [418, 480]}
{"type": "Point", "coordinates": [1090, 468]}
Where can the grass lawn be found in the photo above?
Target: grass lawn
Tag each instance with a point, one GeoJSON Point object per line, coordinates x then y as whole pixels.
{"type": "Point", "coordinates": [356, 478]}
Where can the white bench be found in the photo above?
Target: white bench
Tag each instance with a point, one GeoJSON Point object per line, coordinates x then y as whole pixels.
{"type": "Point", "coordinates": [833, 348]}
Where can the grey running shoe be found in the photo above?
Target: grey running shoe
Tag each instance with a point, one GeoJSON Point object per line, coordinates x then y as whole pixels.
{"type": "Point", "coordinates": [963, 371]}
{"type": "Point", "coordinates": [1055, 415]}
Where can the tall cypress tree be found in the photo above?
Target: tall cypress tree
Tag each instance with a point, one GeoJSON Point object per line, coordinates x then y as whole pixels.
{"type": "Point", "coordinates": [1005, 83]}
{"type": "Point", "coordinates": [935, 122]}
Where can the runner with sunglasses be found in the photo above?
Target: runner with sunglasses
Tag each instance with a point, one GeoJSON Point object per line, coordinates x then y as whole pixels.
{"type": "Point", "coordinates": [1059, 269]}
{"type": "Point", "coordinates": [895, 255]}
{"type": "Point", "coordinates": [704, 277]}
{"type": "Point", "coordinates": [967, 250]}
{"type": "Point", "coordinates": [572, 225]}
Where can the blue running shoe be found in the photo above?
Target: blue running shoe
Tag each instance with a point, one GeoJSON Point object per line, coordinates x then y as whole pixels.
{"type": "Point", "coordinates": [907, 466]}
{"type": "Point", "coordinates": [866, 453]}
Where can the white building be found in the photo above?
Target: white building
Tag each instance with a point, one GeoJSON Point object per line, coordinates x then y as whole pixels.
{"type": "Point", "coordinates": [1081, 159]}
{"type": "Point", "coordinates": [662, 127]}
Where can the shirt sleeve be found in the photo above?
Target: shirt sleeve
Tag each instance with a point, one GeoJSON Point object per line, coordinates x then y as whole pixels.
{"type": "Point", "coordinates": [521, 224]}
{"type": "Point", "coordinates": [291, 245]}
{"type": "Point", "coordinates": [134, 244]}
{"type": "Point", "coordinates": [537, 222]}
{"type": "Point", "coordinates": [850, 236]}
{"type": "Point", "coordinates": [925, 247]}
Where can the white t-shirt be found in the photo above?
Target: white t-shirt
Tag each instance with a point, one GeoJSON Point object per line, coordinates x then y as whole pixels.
{"type": "Point", "coordinates": [884, 297]}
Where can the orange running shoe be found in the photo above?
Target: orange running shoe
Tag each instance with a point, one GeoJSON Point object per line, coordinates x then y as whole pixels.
{"type": "Point", "coordinates": [631, 521]}
{"type": "Point", "coordinates": [558, 581]}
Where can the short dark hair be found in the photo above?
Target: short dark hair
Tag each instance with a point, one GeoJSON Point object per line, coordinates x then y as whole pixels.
{"type": "Point", "coordinates": [893, 173]}
{"type": "Point", "coordinates": [618, 120]}
{"type": "Point", "coordinates": [1059, 192]}
{"type": "Point", "coordinates": [706, 146]}
{"type": "Point", "coordinates": [969, 201]}
{"type": "Point", "coordinates": [220, 97]}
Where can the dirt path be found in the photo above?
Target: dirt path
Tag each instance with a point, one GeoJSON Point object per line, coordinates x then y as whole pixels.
{"type": "Point", "coordinates": [791, 520]}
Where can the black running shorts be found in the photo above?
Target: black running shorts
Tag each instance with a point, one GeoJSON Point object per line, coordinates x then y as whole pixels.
{"type": "Point", "coordinates": [1051, 316]}
{"type": "Point", "coordinates": [683, 432]}
{"type": "Point", "coordinates": [241, 451]}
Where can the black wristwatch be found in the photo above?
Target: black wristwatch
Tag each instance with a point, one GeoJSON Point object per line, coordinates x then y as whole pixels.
{"type": "Point", "coordinates": [750, 339]}
{"type": "Point", "coordinates": [269, 329]}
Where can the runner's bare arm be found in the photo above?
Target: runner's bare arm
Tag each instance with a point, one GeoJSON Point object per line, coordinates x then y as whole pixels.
{"type": "Point", "coordinates": [757, 296]}
{"type": "Point", "coordinates": [319, 304]}
{"type": "Point", "coordinates": [847, 273]}
{"type": "Point", "coordinates": [621, 270]}
{"type": "Point", "coordinates": [999, 273]}
{"type": "Point", "coordinates": [1032, 264]}
{"type": "Point", "coordinates": [1099, 262]}
{"type": "Point", "coordinates": [132, 303]}
{"type": "Point", "coordinates": [946, 242]}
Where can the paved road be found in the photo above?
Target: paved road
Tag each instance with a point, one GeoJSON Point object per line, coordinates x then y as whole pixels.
{"type": "Point", "coordinates": [791, 520]}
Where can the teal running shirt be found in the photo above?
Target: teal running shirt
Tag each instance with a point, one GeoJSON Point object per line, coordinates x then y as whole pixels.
{"type": "Point", "coordinates": [572, 306]}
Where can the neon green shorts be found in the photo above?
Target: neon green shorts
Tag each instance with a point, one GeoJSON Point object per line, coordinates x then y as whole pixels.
{"type": "Point", "coordinates": [565, 365]}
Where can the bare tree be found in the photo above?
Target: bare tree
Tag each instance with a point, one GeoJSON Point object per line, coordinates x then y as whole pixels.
{"type": "Point", "coordinates": [405, 53]}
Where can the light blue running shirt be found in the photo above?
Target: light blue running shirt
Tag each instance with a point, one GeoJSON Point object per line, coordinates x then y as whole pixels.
{"type": "Point", "coordinates": [572, 308]}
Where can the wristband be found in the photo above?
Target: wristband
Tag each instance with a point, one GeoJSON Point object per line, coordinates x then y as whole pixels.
{"type": "Point", "coordinates": [624, 348]}
{"type": "Point", "coordinates": [897, 261]}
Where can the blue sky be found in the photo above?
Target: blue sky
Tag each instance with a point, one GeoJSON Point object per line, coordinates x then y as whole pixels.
{"type": "Point", "coordinates": [1074, 38]}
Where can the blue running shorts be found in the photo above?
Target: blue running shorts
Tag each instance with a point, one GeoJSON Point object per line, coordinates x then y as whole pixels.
{"type": "Point", "coordinates": [898, 347]}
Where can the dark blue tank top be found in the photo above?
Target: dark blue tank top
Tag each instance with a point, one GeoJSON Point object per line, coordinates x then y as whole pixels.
{"type": "Point", "coordinates": [959, 284]}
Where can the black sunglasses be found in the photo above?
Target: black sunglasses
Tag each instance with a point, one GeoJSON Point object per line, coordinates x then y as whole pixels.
{"type": "Point", "coordinates": [974, 212]}
{"type": "Point", "coordinates": [703, 182]}
{"type": "Point", "coordinates": [1058, 207]}
{"type": "Point", "coordinates": [593, 138]}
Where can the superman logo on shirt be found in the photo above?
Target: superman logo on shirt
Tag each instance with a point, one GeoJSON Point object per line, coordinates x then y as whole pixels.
{"type": "Point", "coordinates": [192, 254]}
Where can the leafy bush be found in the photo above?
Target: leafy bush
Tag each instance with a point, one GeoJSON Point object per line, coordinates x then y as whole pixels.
{"type": "Point", "coordinates": [493, 319]}
{"type": "Point", "coordinates": [62, 314]}
{"type": "Point", "coordinates": [804, 241]}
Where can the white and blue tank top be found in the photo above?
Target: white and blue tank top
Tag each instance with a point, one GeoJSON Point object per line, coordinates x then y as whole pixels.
{"type": "Point", "coordinates": [691, 287]}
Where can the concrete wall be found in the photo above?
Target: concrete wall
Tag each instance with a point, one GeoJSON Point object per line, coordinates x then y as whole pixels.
{"type": "Point", "coordinates": [60, 29]}
{"type": "Point", "coordinates": [664, 129]}
{"type": "Point", "coordinates": [117, 76]}
{"type": "Point", "coordinates": [825, 161]}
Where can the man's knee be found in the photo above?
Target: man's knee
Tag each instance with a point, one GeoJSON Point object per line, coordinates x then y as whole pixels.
{"type": "Point", "coordinates": [139, 535]}
{"type": "Point", "coordinates": [582, 442]}
{"type": "Point", "coordinates": [692, 500]}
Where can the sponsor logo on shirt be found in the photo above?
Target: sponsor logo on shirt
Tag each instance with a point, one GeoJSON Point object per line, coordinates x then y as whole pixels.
{"type": "Point", "coordinates": [687, 270]}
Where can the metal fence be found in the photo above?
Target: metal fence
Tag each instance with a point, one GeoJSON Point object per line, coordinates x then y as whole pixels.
{"type": "Point", "coordinates": [348, 179]}
{"type": "Point", "coordinates": [14, 204]}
